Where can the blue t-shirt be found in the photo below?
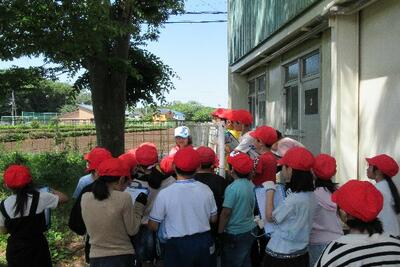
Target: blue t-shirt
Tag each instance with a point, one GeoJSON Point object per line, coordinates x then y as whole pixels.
{"type": "Point", "coordinates": [240, 197]}
{"type": "Point", "coordinates": [83, 182]}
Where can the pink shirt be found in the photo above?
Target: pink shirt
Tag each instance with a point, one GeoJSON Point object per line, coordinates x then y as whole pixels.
{"type": "Point", "coordinates": [326, 224]}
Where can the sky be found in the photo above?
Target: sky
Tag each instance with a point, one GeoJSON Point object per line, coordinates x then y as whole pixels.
{"type": "Point", "coordinates": [196, 52]}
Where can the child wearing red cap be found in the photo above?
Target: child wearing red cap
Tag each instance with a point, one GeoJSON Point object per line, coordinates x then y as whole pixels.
{"type": "Point", "coordinates": [110, 216]}
{"type": "Point", "coordinates": [154, 176]}
{"type": "Point", "coordinates": [288, 245]}
{"type": "Point", "coordinates": [365, 245]}
{"type": "Point", "coordinates": [264, 138]}
{"type": "Point", "coordinates": [22, 216]}
{"type": "Point", "coordinates": [236, 224]}
{"type": "Point", "coordinates": [382, 168]}
{"type": "Point", "coordinates": [186, 209]}
{"type": "Point", "coordinates": [326, 222]}
{"type": "Point", "coordinates": [93, 159]}
{"type": "Point", "coordinates": [206, 175]}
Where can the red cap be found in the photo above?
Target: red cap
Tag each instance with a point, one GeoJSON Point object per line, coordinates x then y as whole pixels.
{"type": "Point", "coordinates": [146, 155]}
{"type": "Point", "coordinates": [148, 144]}
{"type": "Point", "coordinates": [207, 155]}
{"type": "Point", "coordinates": [113, 167]}
{"type": "Point", "coordinates": [166, 164]}
{"type": "Point", "coordinates": [241, 162]}
{"type": "Point", "coordinates": [242, 116]}
{"type": "Point", "coordinates": [130, 159]}
{"type": "Point", "coordinates": [386, 164]}
{"type": "Point", "coordinates": [96, 156]}
{"type": "Point", "coordinates": [267, 135]}
{"type": "Point", "coordinates": [226, 114]}
{"type": "Point", "coordinates": [360, 199]}
{"type": "Point", "coordinates": [17, 176]}
{"type": "Point", "coordinates": [187, 159]}
{"type": "Point", "coordinates": [298, 158]}
{"type": "Point", "coordinates": [324, 166]}
{"type": "Point", "coordinates": [218, 112]}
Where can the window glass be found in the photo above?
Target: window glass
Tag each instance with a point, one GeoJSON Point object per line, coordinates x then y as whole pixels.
{"type": "Point", "coordinates": [252, 87]}
{"type": "Point", "coordinates": [261, 83]}
{"type": "Point", "coordinates": [292, 71]}
{"type": "Point", "coordinates": [311, 65]}
{"type": "Point", "coordinates": [292, 108]}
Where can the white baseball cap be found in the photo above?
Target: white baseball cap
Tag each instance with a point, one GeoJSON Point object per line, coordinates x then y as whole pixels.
{"type": "Point", "coordinates": [182, 131]}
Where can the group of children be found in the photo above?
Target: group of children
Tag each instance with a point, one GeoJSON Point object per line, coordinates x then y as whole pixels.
{"type": "Point", "coordinates": [138, 210]}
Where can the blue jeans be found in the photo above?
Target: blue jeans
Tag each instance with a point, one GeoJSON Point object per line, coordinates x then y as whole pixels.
{"type": "Point", "coordinates": [114, 261]}
{"type": "Point", "coordinates": [236, 249]}
{"type": "Point", "coordinates": [196, 250]}
{"type": "Point", "coordinates": [315, 252]}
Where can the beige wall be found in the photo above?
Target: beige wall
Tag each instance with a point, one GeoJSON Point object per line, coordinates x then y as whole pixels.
{"type": "Point", "coordinates": [379, 81]}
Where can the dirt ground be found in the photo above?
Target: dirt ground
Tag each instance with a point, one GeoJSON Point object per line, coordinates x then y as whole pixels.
{"type": "Point", "coordinates": [164, 139]}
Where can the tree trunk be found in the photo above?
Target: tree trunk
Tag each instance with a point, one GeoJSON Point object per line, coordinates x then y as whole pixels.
{"type": "Point", "coordinates": [108, 86]}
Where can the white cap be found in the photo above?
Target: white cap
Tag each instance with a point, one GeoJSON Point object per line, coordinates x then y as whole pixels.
{"type": "Point", "coordinates": [182, 131]}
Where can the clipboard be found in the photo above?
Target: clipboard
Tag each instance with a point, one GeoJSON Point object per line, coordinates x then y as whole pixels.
{"type": "Point", "coordinates": [47, 212]}
{"type": "Point", "coordinates": [261, 195]}
{"type": "Point", "coordinates": [135, 188]}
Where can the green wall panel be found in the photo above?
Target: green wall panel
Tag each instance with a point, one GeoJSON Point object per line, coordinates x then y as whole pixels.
{"type": "Point", "coordinates": [253, 21]}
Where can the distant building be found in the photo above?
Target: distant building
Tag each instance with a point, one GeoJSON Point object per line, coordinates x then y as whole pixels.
{"type": "Point", "coordinates": [167, 115]}
{"type": "Point", "coordinates": [83, 115]}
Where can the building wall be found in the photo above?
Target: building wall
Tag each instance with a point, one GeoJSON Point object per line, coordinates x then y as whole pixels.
{"type": "Point", "coordinates": [253, 21]}
{"type": "Point", "coordinates": [379, 81]}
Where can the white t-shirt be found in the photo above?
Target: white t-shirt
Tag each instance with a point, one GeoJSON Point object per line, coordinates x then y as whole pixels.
{"type": "Point", "coordinates": [388, 217]}
{"type": "Point", "coordinates": [46, 201]}
{"type": "Point", "coordinates": [185, 207]}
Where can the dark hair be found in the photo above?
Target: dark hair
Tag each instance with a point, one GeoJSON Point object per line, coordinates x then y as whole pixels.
{"type": "Point", "coordinates": [242, 175]}
{"type": "Point", "coordinates": [327, 184]}
{"type": "Point", "coordinates": [184, 173]}
{"type": "Point", "coordinates": [373, 227]}
{"type": "Point", "coordinates": [279, 134]}
{"type": "Point", "coordinates": [302, 181]}
{"type": "Point", "coordinates": [100, 188]}
{"type": "Point", "coordinates": [206, 165]}
{"type": "Point", "coordinates": [21, 199]}
{"type": "Point", "coordinates": [238, 174]}
{"type": "Point", "coordinates": [393, 190]}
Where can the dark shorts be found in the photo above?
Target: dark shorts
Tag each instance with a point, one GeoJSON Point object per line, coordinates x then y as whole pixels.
{"type": "Point", "coordinates": [114, 261]}
{"type": "Point", "coordinates": [196, 250]}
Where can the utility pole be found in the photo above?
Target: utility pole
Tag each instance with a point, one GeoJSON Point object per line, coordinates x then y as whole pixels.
{"type": "Point", "coordinates": [13, 108]}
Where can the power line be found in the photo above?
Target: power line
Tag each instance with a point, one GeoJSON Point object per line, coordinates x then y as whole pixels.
{"type": "Point", "coordinates": [193, 22]}
{"type": "Point", "coordinates": [202, 13]}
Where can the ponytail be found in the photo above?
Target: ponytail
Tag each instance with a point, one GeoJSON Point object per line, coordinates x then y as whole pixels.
{"type": "Point", "coordinates": [22, 198]}
{"type": "Point", "coordinates": [100, 186]}
{"type": "Point", "coordinates": [395, 194]}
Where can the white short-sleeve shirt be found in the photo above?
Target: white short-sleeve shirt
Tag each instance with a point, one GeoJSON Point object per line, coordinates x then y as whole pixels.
{"type": "Point", "coordinates": [388, 217]}
{"type": "Point", "coordinates": [46, 201]}
{"type": "Point", "coordinates": [185, 207]}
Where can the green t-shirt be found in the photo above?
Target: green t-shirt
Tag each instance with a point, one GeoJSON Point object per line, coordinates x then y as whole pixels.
{"type": "Point", "coordinates": [240, 197]}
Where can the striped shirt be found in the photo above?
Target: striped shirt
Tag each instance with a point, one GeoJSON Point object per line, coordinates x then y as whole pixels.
{"type": "Point", "coordinates": [361, 250]}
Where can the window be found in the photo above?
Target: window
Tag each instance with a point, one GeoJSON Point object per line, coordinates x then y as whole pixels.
{"type": "Point", "coordinates": [300, 98]}
{"type": "Point", "coordinates": [257, 99]}
{"type": "Point", "coordinates": [311, 65]}
{"type": "Point", "coordinates": [292, 71]}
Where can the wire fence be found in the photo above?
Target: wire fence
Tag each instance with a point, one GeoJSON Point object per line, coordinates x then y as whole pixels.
{"type": "Point", "coordinates": [80, 136]}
